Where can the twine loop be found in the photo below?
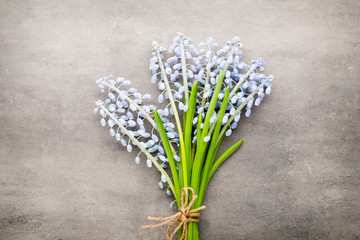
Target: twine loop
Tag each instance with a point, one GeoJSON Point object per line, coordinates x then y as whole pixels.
{"type": "Point", "coordinates": [184, 215]}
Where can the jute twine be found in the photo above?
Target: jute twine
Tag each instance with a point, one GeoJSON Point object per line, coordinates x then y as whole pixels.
{"type": "Point", "coordinates": [184, 216]}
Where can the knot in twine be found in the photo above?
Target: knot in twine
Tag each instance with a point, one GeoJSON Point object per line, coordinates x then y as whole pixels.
{"type": "Point", "coordinates": [184, 215]}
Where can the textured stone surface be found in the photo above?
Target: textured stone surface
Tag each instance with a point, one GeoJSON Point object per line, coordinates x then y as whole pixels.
{"type": "Point", "coordinates": [62, 176]}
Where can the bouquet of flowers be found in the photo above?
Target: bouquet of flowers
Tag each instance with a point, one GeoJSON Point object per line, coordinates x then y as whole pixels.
{"type": "Point", "coordinates": [208, 89]}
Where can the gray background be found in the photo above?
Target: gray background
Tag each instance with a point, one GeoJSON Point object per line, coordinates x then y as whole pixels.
{"type": "Point", "coordinates": [63, 177]}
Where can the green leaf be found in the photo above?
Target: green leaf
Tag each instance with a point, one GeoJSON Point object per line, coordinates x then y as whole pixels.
{"type": "Point", "coordinates": [201, 147]}
{"type": "Point", "coordinates": [212, 105]}
{"type": "Point", "coordinates": [224, 156]}
{"type": "Point", "coordinates": [166, 144]}
{"type": "Point", "coordinates": [212, 149]}
{"type": "Point", "coordinates": [188, 126]}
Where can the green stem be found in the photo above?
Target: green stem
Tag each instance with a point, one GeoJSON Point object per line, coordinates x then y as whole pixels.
{"type": "Point", "coordinates": [203, 100]}
{"type": "Point", "coordinates": [188, 126]}
{"type": "Point", "coordinates": [211, 152]}
{"type": "Point", "coordinates": [201, 145]}
{"type": "Point", "coordinates": [183, 70]}
{"type": "Point", "coordinates": [166, 144]}
{"type": "Point", "coordinates": [227, 62]}
{"type": "Point", "coordinates": [223, 157]}
{"type": "Point", "coordinates": [177, 119]}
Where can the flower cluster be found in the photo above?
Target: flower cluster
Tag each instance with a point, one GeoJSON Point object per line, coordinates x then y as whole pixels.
{"type": "Point", "coordinates": [226, 88]}
{"type": "Point", "coordinates": [247, 82]}
{"type": "Point", "coordinates": [125, 113]}
{"type": "Point", "coordinates": [208, 89]}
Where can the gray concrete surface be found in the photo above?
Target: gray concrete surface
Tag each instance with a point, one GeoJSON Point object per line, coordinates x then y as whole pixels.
{"type": "Point", "coordinates": [63, 177]}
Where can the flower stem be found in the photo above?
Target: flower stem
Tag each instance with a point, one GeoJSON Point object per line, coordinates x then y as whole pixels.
{"type": "Point", "coordinates": [177, 119]}
{"type": "Point", "coordinates": [227, 62]}
{"type": "Point", "coordinates": [183, 69]}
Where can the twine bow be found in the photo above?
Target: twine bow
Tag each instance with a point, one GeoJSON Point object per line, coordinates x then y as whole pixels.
{"type": "Point", "coordinates": [184, 216]}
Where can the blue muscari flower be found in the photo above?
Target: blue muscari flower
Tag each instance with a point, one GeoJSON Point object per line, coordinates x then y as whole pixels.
{"type": "Point", "coordinates": [234, 99]}
{"type": "Point", "coordinates": [193, 68]}
{"type": "Point", "coordinates": [150, 143]}
{"type": "Point", "coordinates": [154, 138]}
{"type": "Point", "coordinates": [149, 163]}
{"type": "Point", "coordinates": [177, 85]}
{"type": "Point", "coordinates": [137, 160]}
{"type": "Point", "coordinates": [177, 66]}
{"type": "Point", "coordinates": [228, 132]}
{"type": "Point", "coordinates": [112, 132]}
{"type": "Point", "coordinates": [225, 118]}
{"type": "Point", "coordinates": [111, 123]}
{"type": "Point", "coordinates": [206, 139]}
{"type": "Point", "coordinates": [163, 178]}
{"type": "Point", "coordinates": [181, 89]}
{"type": "Point", "coordinates": [152, 150]}
{"type": "Point", "coordinates": [112, 97]}
{"type": "Point", "coordinates": [177, 95]}
{"type": "Point", "coordinates": [142, 144]}
{"type": "Point", "coordinates": [129, 148]}
{"type": "Point", "coordinates": [243, 99]}
{"type": "Point", "coordinates": [257, 101]}
{"type": "Point", "coordinates": [221, 96]}
{"type": "Point", "coordinates": [161, 86]}
{"type": "Point", "coordinates": [268, 90]}
{"type": "Point", "coordinates": [213, 118]}
{"type": "Point", "coordinates": [154, 79]}
{"type": "Point", "coordinates": [248, 113]}
{"type": "Point", "coordinates": [237, 118]}
{"type": "Point", "coordinates": [103, 122]}
{"type": "Point", "coordinates": [219, 52]}
{"type": "Point", "coordinates": [245, 84]}
{"type": "Point", "coordinates": [170, 135]}
{"type": "Point", "coordinates": [168, 70]}
{"type": "Point", "coordinates": [161, 149]}
{"type": "Point", "coordinates": [250, 103]}
{"type": "Point", "coordinates": [131, 123]}
{"type": "Point", "coordinates": [161, 185]}
{"type": "Point", "coordinates": [172, 60]}
{"type": "Point", "coordinates": [118, 136]}
{"type": "Point", "coordinates": [160, 98]}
